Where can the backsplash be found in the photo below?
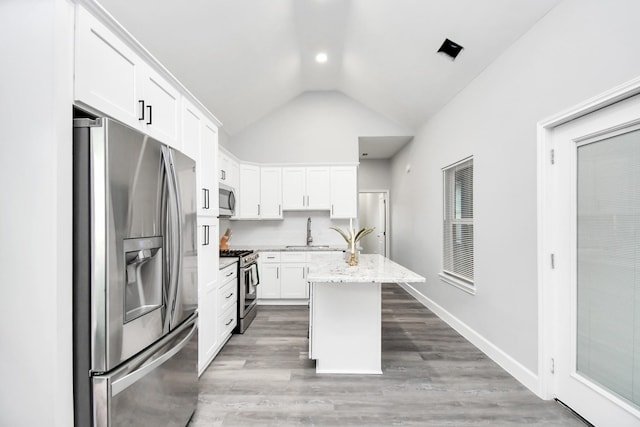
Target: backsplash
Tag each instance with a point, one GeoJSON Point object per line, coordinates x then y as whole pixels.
{"type": "Point", "coordinates": [292, 230]}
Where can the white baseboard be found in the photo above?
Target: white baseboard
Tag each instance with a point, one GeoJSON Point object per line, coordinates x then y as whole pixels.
{"type": "Point", "coordinates": [525, 376]}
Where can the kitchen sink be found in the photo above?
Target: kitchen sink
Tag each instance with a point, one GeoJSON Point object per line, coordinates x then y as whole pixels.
{"type": "Point", "coordinates": [307, 247]}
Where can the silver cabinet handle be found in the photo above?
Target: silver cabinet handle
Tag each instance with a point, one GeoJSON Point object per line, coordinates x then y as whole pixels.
{"type": "Point", "coordinates": [279, 210]}
{"type": "Point", "coordinates": [229, 322]}
{"type": "Point", "coordinates": [277, 272]}
{"type": "Point", "coordinates": [229, 296]}
{"type": "Point", "coordinates": [258, 209]}
{"type": "Point", "coordinates": [303, 201]}
{"type": "Point", "coordinates": [230, 274]}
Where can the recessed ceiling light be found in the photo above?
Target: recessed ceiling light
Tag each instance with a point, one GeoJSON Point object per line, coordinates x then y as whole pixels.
{"type": "Point", "coordinates": [321, 57]}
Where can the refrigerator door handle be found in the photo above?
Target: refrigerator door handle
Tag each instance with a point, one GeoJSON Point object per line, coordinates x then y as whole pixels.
{"type": "Point", "coordinates": [125, 382]}
{"type": "Point", "coordinates": [175, 235]}
{"type": "Point", "coordinates": [178, 249]}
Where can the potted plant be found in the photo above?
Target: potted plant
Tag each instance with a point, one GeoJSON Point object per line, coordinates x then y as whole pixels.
{"type": "Point", "coordinates": [352, 238]}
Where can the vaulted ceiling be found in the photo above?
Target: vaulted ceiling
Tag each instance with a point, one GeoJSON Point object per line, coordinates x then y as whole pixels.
{"type": "Point", "coordinates": [244, 58]}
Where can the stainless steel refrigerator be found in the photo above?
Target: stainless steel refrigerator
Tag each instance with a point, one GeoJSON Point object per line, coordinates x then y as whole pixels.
{"type": "Point", "coordinates": [135, 279]}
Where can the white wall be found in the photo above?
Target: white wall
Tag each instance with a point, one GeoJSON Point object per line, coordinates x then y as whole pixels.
{"type": "Point", "coordinates": [35, 219]}
{"type": "Point", "coordinates": [292, 230]}
{"type": "Point", "coordinates": [374, 174]}
{"type": "Point", "coordinates": [580, 49]}
{"type": "Point", "coordinates": [314, 127]}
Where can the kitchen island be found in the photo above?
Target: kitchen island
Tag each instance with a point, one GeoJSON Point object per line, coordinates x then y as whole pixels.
{"type": "Point", "coordinates": [345, 319]}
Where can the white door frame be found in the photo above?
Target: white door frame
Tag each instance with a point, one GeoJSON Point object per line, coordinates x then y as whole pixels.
{"type": "Point", "coordinates": [386, 219]}
{"type": "Point", "coordinates": [546, 233]}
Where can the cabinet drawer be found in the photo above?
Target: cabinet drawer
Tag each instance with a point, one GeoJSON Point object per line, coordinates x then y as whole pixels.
{"type": "Point", "coordinates": [228, 273]}
{"type": "Point", "coordinates": [227, 296]}
{"type": "Point", "coordinates": [227, 321]}
{"type": "Point", "coordinates": [267, 257]}
{"type": "Point", "coordinates": [293, 257]}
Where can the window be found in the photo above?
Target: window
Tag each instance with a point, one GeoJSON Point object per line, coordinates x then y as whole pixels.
{"type": "Point", "coordinates": [457, 263]}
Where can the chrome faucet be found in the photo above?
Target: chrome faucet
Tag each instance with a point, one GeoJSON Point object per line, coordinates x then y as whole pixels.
{"type": "Point", "coordinates": [309, 238]}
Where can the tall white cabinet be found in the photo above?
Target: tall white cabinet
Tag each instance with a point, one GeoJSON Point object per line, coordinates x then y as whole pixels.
{"type": "Point", "coordinates": [115, 76]}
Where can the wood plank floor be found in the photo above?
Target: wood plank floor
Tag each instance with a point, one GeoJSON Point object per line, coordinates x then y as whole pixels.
{"type": "Point", "coordinates": [432, 377]}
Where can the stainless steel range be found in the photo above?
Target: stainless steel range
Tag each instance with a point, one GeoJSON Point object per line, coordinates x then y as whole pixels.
{"type": "Point", "coordinates": [248, 279]}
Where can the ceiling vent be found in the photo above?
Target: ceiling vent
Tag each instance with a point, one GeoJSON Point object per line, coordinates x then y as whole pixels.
{"type": "Point", "coordinates": [450, 48]}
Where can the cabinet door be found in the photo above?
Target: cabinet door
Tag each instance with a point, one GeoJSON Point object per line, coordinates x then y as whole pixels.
{"type": "Point", "coordinates": [191, 130]}
{"type": "Point", "coordinates": [208, 167]}
{"type": "Point", "coordinates": [293, 188]}
{"type": "Point", "coordinates": [207, 327]}
{"type": "Point", "coordinates": [293, 282]}
{"type": "Point", "coordinates": [226, 322]}
{"type": "Point", "coordinates": [208, 252]}
{"type": "Point", "coordinates": [161, 108]}
{"type": "Point", "coordinates": [271, 193]}
{"type": "Point", "coordinates": [234, 174]}
{"type": "Point", "coordinates": [318, 188]}
{"type": "Point", "coordinates": [269, 287]}
{"type": "Point", "coordinates": [344, 192]}
{"type": "Point", "coordinates": [105, 71]}
{"type": "Point", "coordinates": [223, 166]}
{"type": "Point", "coordinates": [249, 192]}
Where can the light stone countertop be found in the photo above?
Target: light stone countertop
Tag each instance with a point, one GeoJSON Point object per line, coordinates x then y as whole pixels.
{"type": "Point", "coordinates": [226, 262]}
{"type": "Point", "coordinates": [291, 248]}
{"type": "Point", "coordinates": [333, 268]}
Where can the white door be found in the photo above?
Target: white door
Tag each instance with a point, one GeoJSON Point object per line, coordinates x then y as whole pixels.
{"type": "Point", "coordinates": [372, 212]}
{"type": "Point", "coordinates": [596, 211]}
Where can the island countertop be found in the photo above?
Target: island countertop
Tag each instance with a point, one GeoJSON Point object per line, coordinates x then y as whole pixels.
{"type": "Point", "coordinates": [332, 268]}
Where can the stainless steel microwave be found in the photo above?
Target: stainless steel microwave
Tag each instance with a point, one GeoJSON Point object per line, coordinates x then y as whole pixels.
{"type": "Point", "coordinates": [227, 201]}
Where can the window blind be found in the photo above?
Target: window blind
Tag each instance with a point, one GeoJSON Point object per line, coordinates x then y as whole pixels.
{"type": "Point", "coordinates": [458, 220]}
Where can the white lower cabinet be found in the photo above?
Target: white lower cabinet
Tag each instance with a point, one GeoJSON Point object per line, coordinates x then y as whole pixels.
{"type": "Point", "coordinates": [207, 327]}
{"type": "Point", "coordinates": [269, 267]}
{"type": "Point", "coordinates": [283, 276]}
{"type": "Point", "coordinates": [293, 282]}
{"type": "Point", "coordinates": [227, 306]}
{"type": "Point", "coordinates": [217, 305]}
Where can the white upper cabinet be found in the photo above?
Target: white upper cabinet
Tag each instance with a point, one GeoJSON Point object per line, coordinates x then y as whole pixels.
{"type": "Point", "coordinates": [200, 141]}
{"type": "Point", "coordinates": [344, 192]}
{"type": "Point", "coordinates": [223, 167]}
{"type": "Point", "coordinates": [112, 79]}
{"type": "Point", "coordinates": [271, 193]}
{"type": "Point", "coordinates": [229, 170]}
{"type": "Point", "coordinates": [306, 188]}
{"type": "Point", "coordinates": [249, 192]}
{"type": "Point", "coordinates": [112, 89]}
{"type": "Point", "coordinates": [192, 120]}
{"type": "Point", "coordinates": [209, 166]}
{"type": "Point", "coordinates": [159, 107]}
{"type": "Point", "coordinates": [260, 192]}
{"type": "Point", "coordinates": [318, 188]}
{"type": "Point", "coordinates": [294, 188]}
